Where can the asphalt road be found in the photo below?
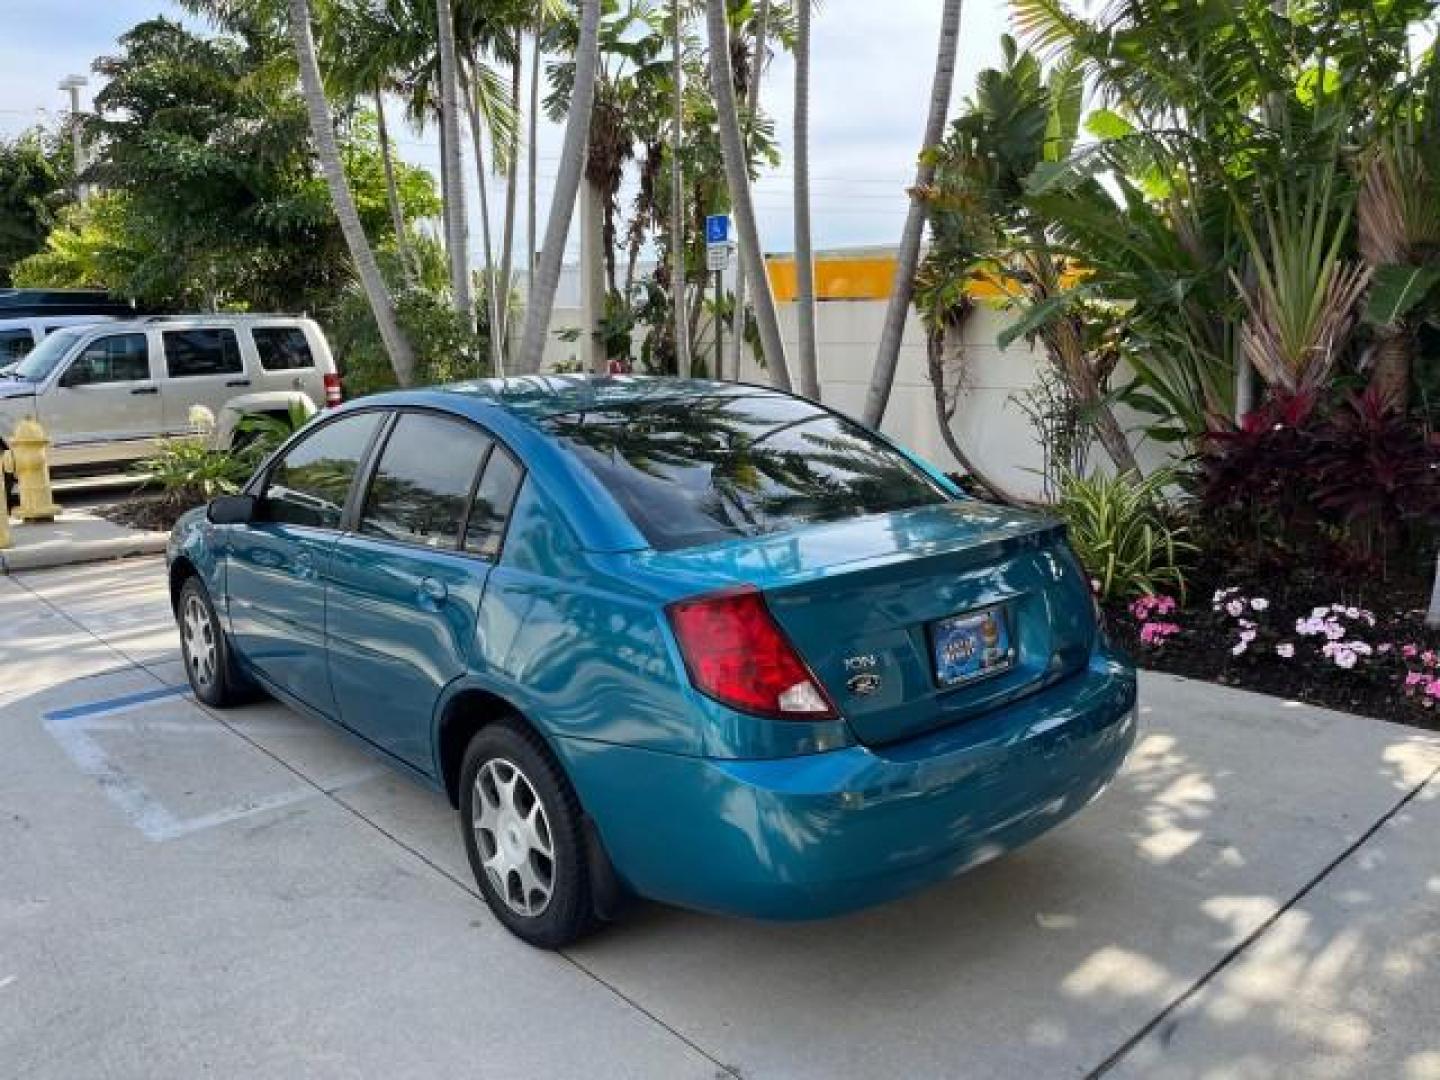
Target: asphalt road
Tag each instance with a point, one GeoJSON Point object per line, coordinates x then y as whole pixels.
{"type": "Point", "coordinates": [188, 893]}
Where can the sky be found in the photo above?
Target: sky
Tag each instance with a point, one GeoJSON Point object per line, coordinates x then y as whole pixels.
{"type": "Point", "coordinates": [872, 65]}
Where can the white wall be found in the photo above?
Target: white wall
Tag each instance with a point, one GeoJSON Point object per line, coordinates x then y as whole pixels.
{"type": "Point", "coordinates": [989, 424]}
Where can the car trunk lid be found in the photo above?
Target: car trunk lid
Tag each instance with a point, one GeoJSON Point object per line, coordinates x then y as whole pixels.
{"type": "Point", "coordinates": [861, 601]}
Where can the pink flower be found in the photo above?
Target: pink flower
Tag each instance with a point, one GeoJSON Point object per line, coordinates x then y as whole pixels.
{"type": "Point", "coordinates": [1235, 608]}
{"type": "Point", "coordinates": [1259, 603]}
{"type": "Point", "coordinates": [1428, 658]}
{"type": "Point", "coordinates": [1285, 650]}
{"type": "Point", "coordinates": [1415, 678]}
{"type": "Point", "coordinates": [1432, 689]}
{"type": "Point", "coordinates": [1345, 658]}
{"type": "Point", "coordinates": [1409, 652]}
{"type": "Point", "coordinates": [1155, 634]}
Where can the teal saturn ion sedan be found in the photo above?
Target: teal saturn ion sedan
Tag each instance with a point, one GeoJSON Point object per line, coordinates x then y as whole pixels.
{"type": "Point", "coordinates": [704, 643]}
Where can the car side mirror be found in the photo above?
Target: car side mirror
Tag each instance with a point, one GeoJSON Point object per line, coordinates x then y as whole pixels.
{"type": "Point", "coordinates": [232, 510]}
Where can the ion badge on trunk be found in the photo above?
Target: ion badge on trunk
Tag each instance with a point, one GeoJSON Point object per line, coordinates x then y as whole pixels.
{"type": "Point", "coordinates": [864, 684]}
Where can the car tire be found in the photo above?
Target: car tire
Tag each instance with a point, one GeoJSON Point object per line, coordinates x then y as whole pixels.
{"type": "Point", "coordinates": [524, 833]}
{"type": "Point", "coordinates": [209, 662]}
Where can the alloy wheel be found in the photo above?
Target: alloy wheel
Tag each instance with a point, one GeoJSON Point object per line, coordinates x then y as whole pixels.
{"type": "Point", "coordinates": [201, 652]}
{"type": "Point", "coordinates": [513, 834]}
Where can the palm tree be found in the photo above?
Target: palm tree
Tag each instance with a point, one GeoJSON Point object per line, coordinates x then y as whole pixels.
{"type": "Point", "coordinates": [322, 132]}
{"type": "Point", "coordinates": [567, 186]}
{"type": "Point", "coordinates": [804, 255]}
{"type": "Point", "coordinates": [752, 110]}
{"type": "Point", "coordinates": [677, 199]}
{"type": "Point", "coordinates": [908, 259]}
{"type": "Point", "coordinates": [456, 223]}
{"type": "Point", "coordinates": [737, 173]}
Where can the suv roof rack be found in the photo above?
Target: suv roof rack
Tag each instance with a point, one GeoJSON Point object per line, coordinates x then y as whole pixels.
{"type": "Point", "coordinates": [221, 315]}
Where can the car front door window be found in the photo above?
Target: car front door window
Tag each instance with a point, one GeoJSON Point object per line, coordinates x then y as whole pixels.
{"type": "Point", "coordinates": [310, 484]}
{"type": "Point", "coordinates": [115, 359]}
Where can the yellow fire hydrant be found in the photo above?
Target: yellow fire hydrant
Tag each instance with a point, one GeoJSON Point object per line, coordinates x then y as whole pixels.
{"type": "Point", "coordinates": [28, 460]}
{"type": "Point", "coordinates": [4, 514]}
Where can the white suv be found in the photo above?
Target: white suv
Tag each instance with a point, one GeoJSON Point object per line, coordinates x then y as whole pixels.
{"type": "Point", "coordinates": [108, 393]}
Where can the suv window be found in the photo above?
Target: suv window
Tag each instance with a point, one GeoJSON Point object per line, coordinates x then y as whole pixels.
{"type": "Point", "coordinates": [282, 348]}
{"type": "Point", "coordinates": [114, 359]}
{"type": "Point", "coordinates": [189, 353]}
{"type": "Point", "coordinates": [309, 485]}
{"type": "Point", "coordinates": [423, 481]}
{"type": "Point", "coordinates": [494, 499]}
{"type": "Point", "coordinates": [14, 344]}
{"type": "Point", "coordinates": [694, 470]}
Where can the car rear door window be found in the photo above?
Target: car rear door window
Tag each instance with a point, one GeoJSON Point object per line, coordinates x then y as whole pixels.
{"type": "Point", "coordinates": [310, 484]}
{"type": "Point", "coordinates": [283, 348]}
{"type": "Point", "coordinates": [190, 353]}
{"type": "Point", "coordinates": [113, 359]}
{"type": "Point", "coordinates": [494, 499]}
{"type": "Point", "coordinates": [423, 481]}
{"type": "Point", "coordinates": [694, 470]}
{"type": "Point", "coordinates": [14, 344]}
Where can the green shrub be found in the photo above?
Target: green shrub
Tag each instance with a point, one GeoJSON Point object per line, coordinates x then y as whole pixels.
{"type": "Point", "coordinates": [1124, 532]}
{"type": "Point", "coordinates": [190, 471]}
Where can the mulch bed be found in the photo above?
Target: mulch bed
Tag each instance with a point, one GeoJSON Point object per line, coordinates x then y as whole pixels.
{"type": "Point", "coordinates": [152, 513]}
{"type": "Point", "coordinates": [1375, 686]}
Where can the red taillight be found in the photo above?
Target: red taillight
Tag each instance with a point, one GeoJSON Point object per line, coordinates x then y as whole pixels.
{"type": "Point", "coordinates": [333, 394]}
{"type": "Point", "coordinates": [736, 654]}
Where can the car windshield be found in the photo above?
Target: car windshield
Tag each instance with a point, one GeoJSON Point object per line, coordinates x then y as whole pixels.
{"type": "Point", "coordinates": [693, 470]}
{"type": "Point", "coordinates": [42, 359]}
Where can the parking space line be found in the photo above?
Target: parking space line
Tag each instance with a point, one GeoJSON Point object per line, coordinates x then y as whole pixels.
{"type": "Point", "coordinates": [115, 705]}
{"type": "Point", "coordinates": [74, 729]}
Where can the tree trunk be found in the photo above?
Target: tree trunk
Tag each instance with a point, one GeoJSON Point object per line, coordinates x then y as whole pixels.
{"type": "Point", "coordinates": [945, 406]}
{"type": "Point", "coordinates": [752, 110]}
{"type": "Point", "coordinates": [737, 173]}
{"type": "Point", "coordinates": [512, 186]}
{"type": "Point", "coordinates": [567, 186]}
{"type": "Point", "coordinates": [477, 139]}
{"type": "Point", "coordinates": [887, 357]}
{"type": "Point", "coordinates": [683, 366]}
{"type": "Point", "coordinates": [804, 253]}
{"type": "Point", "coordinates": [1394, 353]}
{"type": "Point", "coordinates": [392, 191]}
{"type": "Point", "coordinates": [322, 132]}
{"type": "Point", "coordinates": [457, 224]}
{"type": "Point", "coordinates": [592, 276]}
{"type": "Point", "coordinates": [532, 194]}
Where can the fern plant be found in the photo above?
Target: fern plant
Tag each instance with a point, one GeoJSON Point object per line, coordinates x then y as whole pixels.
{"type": "Point", "coordinates": [1124, 534]}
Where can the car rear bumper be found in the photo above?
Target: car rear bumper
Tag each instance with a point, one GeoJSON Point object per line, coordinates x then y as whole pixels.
{"type": "Point", "coordinates": [806, 837]}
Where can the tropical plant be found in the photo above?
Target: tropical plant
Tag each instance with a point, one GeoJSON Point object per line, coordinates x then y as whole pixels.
{"type": "Point", "coordinates": [567, 186]}
{"type": "Point", "coordinates": [1125, 534]}
{"type": "Point", "coordinates": [1020, 123]}
{"type": "Point", "coordinates": [327, 150]}
{"type": "Point", "coordinates": [804, 248]}
{"type": "Point", "coordinates": [1306, 294]}
{"type": "Point", "coordinates": [887, 357]}
{"type": "Point", "coordinates": [737, 174]}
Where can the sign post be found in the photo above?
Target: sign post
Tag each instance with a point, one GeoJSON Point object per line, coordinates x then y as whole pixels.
{"type": "Point", "coordinates": [717, 258]}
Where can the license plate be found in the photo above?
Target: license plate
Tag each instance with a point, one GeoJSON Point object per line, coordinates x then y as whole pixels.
{"type": "Point", "coordinates": [972, 646]}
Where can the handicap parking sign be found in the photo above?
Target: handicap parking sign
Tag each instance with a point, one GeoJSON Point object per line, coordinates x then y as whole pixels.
{"type": "Point", "coordinates": [717, 229]}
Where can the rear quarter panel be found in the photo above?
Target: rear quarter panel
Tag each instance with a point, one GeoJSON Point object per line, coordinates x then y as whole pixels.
{"type": "Point", "coordinates": [583, 653]}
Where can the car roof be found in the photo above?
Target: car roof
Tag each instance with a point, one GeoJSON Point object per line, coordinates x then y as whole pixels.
{"type": "Point", "coordinates": [219, 319]}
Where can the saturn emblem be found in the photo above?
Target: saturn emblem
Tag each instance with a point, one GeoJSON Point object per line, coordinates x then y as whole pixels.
{"type": "Point", "coordinates": [864, 684]}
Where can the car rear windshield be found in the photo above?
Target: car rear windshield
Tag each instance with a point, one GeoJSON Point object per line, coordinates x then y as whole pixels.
{"type": "Point", "coordinates": [695, 470]}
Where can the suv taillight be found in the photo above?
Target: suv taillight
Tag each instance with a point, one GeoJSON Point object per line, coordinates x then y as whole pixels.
{"type": "Point", "coordinates": [333, 394]}
{"type": "Point", "coordinates": [737, 654]}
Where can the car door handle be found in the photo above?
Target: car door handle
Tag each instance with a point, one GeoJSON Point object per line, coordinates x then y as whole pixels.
{"type": "Point", "coordinates": [238, 382]}
{"type": "Point", "coordinates": [145, 390]}
{"type": "Point", "coordinates": [433, 591]}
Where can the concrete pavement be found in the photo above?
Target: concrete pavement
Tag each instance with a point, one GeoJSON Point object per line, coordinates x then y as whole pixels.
{"type": "Point", "coordinates": [248, 894]}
